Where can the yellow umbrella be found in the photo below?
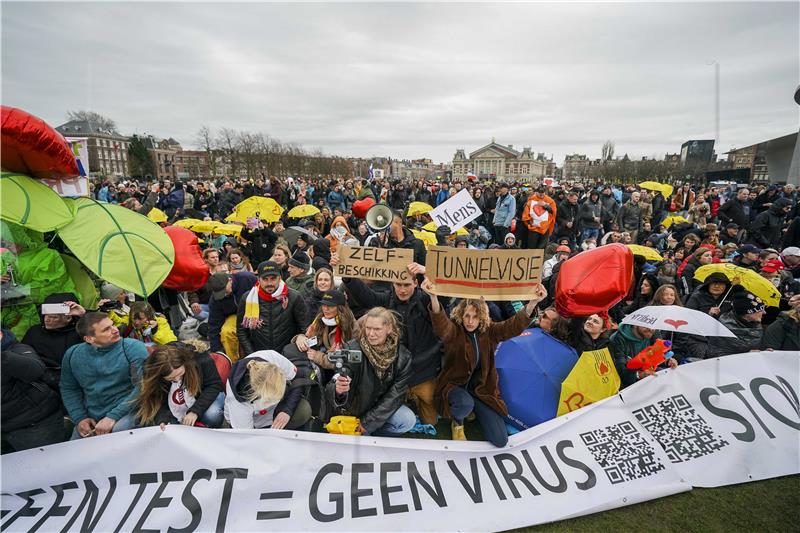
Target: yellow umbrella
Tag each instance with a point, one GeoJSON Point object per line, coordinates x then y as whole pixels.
{"type": "Point", "coordinates": [745, 277]}
{"type": "Point", "coordinates": [593, 378]}
{"type": "Point", "coordinates": [266, 209]}
{"type": "Point", "coordinates": [651, 254]}
{"type": "Point", "coordinates": [205, 226]}
{"type": "Point", "coordinates": [228, 229]}
{"type": "Point", "coordinates": [663, 188]}
{"type": "Point", "coordinates": [430, 226]}
{"type": "Point", "coordinates": [418, 208]}
{"type": "Point", "coordinates": [187, 222]}
{"type": "Point", "coordinates": [673, 219]}
{"type": "Point", "coordinates": [157, 215]}
{"type": "Point", "coordinates": [302, 211]}
{"type": "Point", "coordinates": [425, 236]}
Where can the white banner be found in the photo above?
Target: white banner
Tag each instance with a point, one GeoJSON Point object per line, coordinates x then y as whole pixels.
{"type": "Point", "coordinates": [727, 420]}
{"type": "Point", "coordinates": [457, 211]}
{"type": "Point", "coordinates": [78, 186]}
{"type": "Point", "coordinates": [587, 461]}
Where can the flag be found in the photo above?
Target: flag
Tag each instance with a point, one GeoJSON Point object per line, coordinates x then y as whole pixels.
{"type": "Point", "coordinates": [471, 176]}
{"type": "Point", "coordinates": [370, 170]}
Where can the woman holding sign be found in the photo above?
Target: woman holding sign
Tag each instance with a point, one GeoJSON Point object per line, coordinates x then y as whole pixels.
{"type": "Point", "coordinates": [468, 381]}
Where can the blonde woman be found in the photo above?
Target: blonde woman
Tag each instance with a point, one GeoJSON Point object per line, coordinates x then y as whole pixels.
{"type": "Point", "coordinates": [281, 255]}
{"type": "Point", "coordinates": [374, 390]}
{"type": "Point", "coordinates": [257, 395]}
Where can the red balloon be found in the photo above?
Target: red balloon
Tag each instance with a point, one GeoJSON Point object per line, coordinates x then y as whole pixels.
{"type": "Point", "coordinates": [190, 272]}
{"type": "Point", "coordinates": [29, 146]}
{"type": "Point", "coordinates": [594, 281]}
{"type": "Point", "coordinates": [361, 207]}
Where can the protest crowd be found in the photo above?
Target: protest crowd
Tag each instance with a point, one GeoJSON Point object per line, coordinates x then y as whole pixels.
{"type": "Point", "coordinates": [276, 339]}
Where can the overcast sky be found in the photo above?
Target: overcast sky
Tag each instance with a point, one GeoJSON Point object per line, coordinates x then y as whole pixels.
{"type": "Point", "coordinates": [414, 80]}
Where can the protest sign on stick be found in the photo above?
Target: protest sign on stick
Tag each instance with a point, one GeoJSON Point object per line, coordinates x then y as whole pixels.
{"type": "Point", "coordinates": [456, 212]}
{"type": "Point", "coordinates": [498, 275]}
{"type": "Point", "coordinates": [382, 264]}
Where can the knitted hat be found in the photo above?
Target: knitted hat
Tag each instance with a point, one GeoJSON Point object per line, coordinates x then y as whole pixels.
{"type": "Point", "coordinates": [746, 303]}
{"type": "Point", "coordinates": [109, 291]}
{"type": "Point", "coordinates": [300, 260]}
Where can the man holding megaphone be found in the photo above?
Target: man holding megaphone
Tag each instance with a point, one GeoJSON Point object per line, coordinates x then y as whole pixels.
{"type": "Point", "coordinates": [389, 232]}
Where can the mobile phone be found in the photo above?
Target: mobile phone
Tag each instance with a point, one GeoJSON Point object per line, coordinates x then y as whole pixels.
{"type": "Point", "coordinates": [312, 341]}
{"type": "Point", "coordinates": [55, 309]}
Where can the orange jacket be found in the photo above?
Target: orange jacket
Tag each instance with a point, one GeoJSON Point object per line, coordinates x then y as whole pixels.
{"type": "Point", "coordinates": [536, 217]}
{"type": "Point", "coordinates": [338, 221]}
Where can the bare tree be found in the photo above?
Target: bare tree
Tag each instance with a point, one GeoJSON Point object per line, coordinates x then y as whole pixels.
{"type": "Point", "coordinates": [205, 140]}
{"type": "Point", "coordinates": [102, 123]}
{"type": "Point", "coordinates": [226, 140]}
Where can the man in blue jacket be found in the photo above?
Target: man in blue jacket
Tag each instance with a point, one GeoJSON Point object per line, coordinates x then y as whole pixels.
{"type": "Point", "coordinates": [504, 211]}
{"type": "Point", "coordinates": [100, 378]}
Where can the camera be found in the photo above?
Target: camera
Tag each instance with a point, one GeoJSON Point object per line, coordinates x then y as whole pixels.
{"type": "Point", "coordinates": [342, 358]}
{"type": "Point", "coordinates": [110, 306]}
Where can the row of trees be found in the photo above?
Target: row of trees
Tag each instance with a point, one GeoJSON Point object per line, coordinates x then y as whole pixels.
{"type": "Point", "coordinates": [249, 154]}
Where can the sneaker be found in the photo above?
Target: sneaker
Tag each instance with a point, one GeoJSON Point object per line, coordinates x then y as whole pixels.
{"type": "Point", "coordinates": [457, 431]}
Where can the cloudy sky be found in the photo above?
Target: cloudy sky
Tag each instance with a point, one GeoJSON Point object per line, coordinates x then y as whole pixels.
{"type": "Point", "coordinates": [414, 80]}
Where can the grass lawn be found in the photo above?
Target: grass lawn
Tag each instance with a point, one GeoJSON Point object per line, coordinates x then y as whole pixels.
{"type": "Point", "coordinates": [760, 506]}
{"type": "Point", "coordinates": [770, 505]}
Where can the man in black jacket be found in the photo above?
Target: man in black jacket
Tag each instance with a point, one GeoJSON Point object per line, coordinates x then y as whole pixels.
{"type": "Point", "coordinates": [736, 210]}
{"type": "Point", "coordinates": [374, 389]}
{"type": "Point", "coordinates": [567, 218]}
{"type": "Point", "coordinates": [766, 231]}
{"type": "Point", "coordinates": [55, 334]}
{"type": "Point", "coordinates": [31, 410]}
{"type": "Point", "coordinates": [279, 313]}
{"type": "Point", "coordinates": [262, 240]}
{"type": "Point", "coordinates": [416, 334]}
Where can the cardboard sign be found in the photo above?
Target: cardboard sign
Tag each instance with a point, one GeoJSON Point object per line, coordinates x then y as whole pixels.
{"type": "Point", "coordinates": [494, 275]}
{"type": "Point", "coordinates": [457, 211]}
{"type": "Point", "coordinates": [381, 264]}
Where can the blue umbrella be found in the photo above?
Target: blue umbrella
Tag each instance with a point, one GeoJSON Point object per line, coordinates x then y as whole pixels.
{"type": "Point", "coordinates": [531, 368]}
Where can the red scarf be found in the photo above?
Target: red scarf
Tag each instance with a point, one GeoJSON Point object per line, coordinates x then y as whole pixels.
{"type": "Point", "coordinates": [283, 296]}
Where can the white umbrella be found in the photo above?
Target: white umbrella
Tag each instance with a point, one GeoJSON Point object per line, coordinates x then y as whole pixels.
{"type": "Point", "coordinates": [677, 319]}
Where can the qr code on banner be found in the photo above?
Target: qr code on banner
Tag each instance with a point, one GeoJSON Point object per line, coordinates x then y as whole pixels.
{"type": "Point", "coordinates": [622, 452]}
{"type": "Point", "coordinates": [678, 428]}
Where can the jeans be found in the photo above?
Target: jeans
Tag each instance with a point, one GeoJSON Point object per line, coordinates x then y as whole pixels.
{"type": "Point", "coordinates": [400, 422]}
{"type": "Point", "coordinates": [126, 423]}
{"type": "Point", "coordinates": [215, 413]}
{"type": "Point", "coordinates": [587, 233]}
{"type": "Point", "coordinates": [42, 433]}
{"type": "Point", "coordinates": [462, 403]}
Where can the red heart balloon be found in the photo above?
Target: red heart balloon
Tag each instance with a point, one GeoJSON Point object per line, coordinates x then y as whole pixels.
{"type": "Point", "coordinates": [594, 281]}
{"type": "Point", "coordinates": [190, 272]}
{"type": "Point", "coordinates": [29, 146]}
{"type": "Point", "coordinates": [361, 207]}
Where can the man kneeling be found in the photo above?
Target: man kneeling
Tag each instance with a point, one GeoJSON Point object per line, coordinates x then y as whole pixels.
{"type": "Point", "coordinates": [374, 388]}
